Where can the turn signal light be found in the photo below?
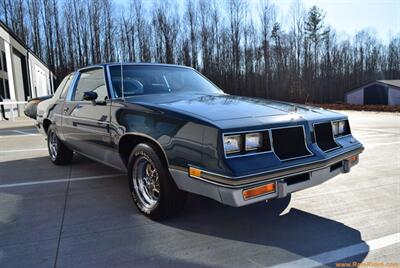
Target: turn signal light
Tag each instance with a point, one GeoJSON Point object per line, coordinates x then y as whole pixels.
{"type": "Point", "coordinates": [352, 158]}
{"type": "Point", "coordinates": [194, 172]}
{"type": "Point", "coordinates": [257, 191]}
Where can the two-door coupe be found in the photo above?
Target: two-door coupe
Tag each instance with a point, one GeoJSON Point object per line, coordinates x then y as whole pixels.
{"type": "Point", "coordinates": [173, 131]}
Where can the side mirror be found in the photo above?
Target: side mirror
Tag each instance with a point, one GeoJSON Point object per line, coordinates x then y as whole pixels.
{"type": "Point", "coordinates": [90, 96]}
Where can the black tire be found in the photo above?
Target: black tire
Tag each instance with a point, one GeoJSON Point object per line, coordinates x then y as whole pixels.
{"type": "Point", "coordinates": [59, 153]}
{"type": "Point", "coordinates": [278, 205]}
{"type": "Point", "coordinates": [166, 199]}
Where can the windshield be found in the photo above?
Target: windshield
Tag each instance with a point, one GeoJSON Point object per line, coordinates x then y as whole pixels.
{"type": "Point", "coordinates": [152, 79]}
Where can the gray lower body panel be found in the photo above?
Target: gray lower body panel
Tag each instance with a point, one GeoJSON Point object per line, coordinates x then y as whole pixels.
{"type": "Point", "coordinates": [234, 196]}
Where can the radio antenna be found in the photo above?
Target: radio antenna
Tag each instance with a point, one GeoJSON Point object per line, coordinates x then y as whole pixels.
{"type": "Point", "coordinates": [122, 81]}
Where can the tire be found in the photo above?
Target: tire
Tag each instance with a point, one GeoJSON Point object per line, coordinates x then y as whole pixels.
{"type": "Point", "coordinates": [278, 205]}
{"type": "Point", "coordinates": [59, 153]}
{"type": "Point", "coordinates": [152, 188]}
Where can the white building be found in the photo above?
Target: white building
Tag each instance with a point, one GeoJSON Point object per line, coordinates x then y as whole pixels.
{"type": "Point", "coordinates": [22, 74]}
{"type": "Point", "coordinates": [380, 92]}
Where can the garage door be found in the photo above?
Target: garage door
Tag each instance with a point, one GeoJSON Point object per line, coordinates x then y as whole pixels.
{"type": "Point", "coordinates": [376, 94]}
{"type": "Point", "coordinates": [41, 85]}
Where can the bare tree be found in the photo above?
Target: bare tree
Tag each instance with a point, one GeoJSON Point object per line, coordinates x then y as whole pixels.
{"type": "Point", "coordinates": [267, 19]}
{"type": "Point", "coordinates": [192, 19]}
{"type": "Point", "coordinates": [264, 58]}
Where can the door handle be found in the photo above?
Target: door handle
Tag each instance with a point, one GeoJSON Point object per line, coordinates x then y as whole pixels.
{"type": "Point", "coordinates": [66, 109]}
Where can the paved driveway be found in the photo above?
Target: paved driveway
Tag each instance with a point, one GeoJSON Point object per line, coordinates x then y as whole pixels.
{"type": "Point", "coordinates": [82, 216]}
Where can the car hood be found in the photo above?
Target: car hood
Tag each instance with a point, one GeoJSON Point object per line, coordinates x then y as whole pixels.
{"type": "Point", "coordinates": [221, 107]}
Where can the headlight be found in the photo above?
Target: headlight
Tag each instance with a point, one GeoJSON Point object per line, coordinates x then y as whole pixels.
{"type": "Point", "coordinates": [335, 128]}
{"type": "Point", "coordinates": [232, 144]}
{"type": "Point", "coordinates": [340, 128]}
{"type": "Point", "coordinates": [253, 141]}
{"type": "Point", "coordinates": [246, 142]}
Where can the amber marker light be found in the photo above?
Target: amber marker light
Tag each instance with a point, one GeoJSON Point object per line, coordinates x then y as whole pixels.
{"type": "Point", "coordinates": [352, 158]}
{"type": "Point", "coordinates": [194, 172]}
{"type": "Point", "coordinates": [260, 190]}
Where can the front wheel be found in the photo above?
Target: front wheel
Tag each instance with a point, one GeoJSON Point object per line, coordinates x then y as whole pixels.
{"type": "Point", "coordinates": [59, 153]}
{"type": "Point", "coordinates": [153, 190]}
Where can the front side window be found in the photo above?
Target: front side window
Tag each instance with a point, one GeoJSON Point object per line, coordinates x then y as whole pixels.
{"type": "Point", "coordinates": [91, 80]}
{"type": "Point", "coordinates": [152, 79]}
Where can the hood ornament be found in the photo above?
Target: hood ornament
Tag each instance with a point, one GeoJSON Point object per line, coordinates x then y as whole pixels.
{"type": "Point", "coordinates": [294, 113]}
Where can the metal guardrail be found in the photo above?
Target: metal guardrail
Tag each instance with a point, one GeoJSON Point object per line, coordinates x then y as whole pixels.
{"type": "Point", "coordinates": [12, 104]}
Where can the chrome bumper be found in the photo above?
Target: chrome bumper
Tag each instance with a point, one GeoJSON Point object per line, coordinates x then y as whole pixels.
{"type": "Point", "coordinates": [233, 196]}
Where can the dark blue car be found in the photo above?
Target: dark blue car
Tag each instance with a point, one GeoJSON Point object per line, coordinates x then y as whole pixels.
{"type": "Point", "coordinates": [173, 131]}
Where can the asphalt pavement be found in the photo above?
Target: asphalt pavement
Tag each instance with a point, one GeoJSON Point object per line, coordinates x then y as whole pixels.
{"type": "Point", "coordinates": [81, 215]}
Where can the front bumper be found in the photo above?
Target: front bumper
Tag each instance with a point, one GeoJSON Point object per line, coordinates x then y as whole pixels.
{"type": "Point", "coordinates": [287, 181]}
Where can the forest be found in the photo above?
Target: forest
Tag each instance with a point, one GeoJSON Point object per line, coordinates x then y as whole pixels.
{"type": "Point", "coordinates": [245, 51]}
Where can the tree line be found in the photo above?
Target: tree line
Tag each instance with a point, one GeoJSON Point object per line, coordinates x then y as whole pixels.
{"type": "Point", "coordinates": [244, 50]}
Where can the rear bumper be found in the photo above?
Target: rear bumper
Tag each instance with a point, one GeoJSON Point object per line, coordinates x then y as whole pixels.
{"type": "Point", "coordinates": [232, 194]}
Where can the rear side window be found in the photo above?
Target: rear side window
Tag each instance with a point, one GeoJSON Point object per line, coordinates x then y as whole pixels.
{"type": "Point", "coordinates": [62, 88]}
{"type": "Point", "coordinates": [66, 87]}
{"type": "Point", "coordinates": [91, 80]}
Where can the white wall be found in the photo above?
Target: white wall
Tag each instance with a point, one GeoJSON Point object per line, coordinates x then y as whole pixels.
{"type": "Point", "coordinates": [10, 71]}
{"type": "Point", "coordinates": [39, 75]}
{"type": "Point", "coordinates": [355, 97]}
{"type": "Point", "coordinates": [394, 96]}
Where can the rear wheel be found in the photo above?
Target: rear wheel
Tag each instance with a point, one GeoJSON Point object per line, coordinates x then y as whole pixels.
{"type": "Point", "coordinates": [59, 153]}
{"type": "Point", "coordinates": [153, 190]}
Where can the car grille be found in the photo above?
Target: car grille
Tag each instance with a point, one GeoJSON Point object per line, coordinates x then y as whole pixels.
{"type": "Point", "coordinates": [324, 136]}
{"type": "Point", "coordinates": [289, 143]}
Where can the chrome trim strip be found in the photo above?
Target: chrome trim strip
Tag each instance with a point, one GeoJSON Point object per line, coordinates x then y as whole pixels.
{"type": "Point", "coordinates": [86, 119]}
{"type": "Point", "coordinates": [265, 176]}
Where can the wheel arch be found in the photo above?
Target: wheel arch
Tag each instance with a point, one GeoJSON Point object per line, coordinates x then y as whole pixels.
{"type": "Point", "coordinates": [129, 140]}
{"type": "Point", "coordinates": [46, 124]}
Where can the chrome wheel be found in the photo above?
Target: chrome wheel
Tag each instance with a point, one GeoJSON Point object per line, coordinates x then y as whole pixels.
{"type": "Point", "coordinates": [146, 183]}
{"type": "Point", "coordinates": [53, 145]}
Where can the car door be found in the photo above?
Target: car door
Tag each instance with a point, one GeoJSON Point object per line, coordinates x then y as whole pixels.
{"type": "Point", "coordinates": [85, 124]}
{"type": "Point", "coordinates": [55, 112]}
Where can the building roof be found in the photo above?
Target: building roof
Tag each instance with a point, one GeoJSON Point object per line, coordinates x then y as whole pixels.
{"type": "Point", "coordinates": [395, 83]}
{"type": "Point", "coordinates": [392, 83]}
{"type": "Point", "coordinates": [14, 36]}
